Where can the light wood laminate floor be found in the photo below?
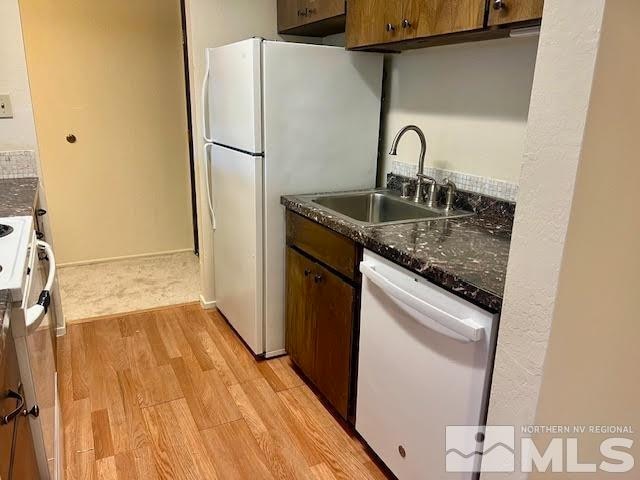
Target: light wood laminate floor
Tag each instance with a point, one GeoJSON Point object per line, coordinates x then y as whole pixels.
{"type": "Point", "coordinates": [174, 394]}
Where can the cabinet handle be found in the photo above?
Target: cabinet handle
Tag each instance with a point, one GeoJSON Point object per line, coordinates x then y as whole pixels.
{"type": "Point", "coordinates": [317, 278]}
{"type": "Point", "coordinates": [498, 4]}
{"type": "Point", "coordinates": [390, 27]}
{"type": "Point", "coordinates": [311, 11]}
{"type": "Point", "coordinates": [303, 13]}
{"type": "Point", "coordinates": [406, 23]}
{"type": "Point", "coordinates": [306, 272]}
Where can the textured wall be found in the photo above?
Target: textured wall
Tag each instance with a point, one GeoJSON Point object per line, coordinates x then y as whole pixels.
{"type": "Point", "coordinates": [591, 368]}
{"type": "Point", "coordinates": [559, 102]}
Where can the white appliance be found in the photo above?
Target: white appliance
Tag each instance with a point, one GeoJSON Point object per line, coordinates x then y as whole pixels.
{"type": "Point", "coordinates": [282, 118]}
{"type": "Point", "coordinates": [424, 363]}
{"type": "Point", "coordinates": [34, 333]}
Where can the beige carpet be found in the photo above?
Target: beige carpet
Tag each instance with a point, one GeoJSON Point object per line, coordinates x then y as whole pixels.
{"type": "Point", "coordinates": [128, 285]}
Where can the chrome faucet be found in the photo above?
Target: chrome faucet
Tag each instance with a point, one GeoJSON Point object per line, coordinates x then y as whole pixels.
{"type": "Point", "coordinates": [422, 178]}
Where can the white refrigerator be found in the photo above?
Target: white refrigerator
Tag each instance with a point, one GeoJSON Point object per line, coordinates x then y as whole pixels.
{"type": "Point", "coordinates": [280, 118]}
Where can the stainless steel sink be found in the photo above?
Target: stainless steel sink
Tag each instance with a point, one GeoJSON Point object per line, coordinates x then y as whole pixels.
{"type": "Point", "coordinates": [382, 207]}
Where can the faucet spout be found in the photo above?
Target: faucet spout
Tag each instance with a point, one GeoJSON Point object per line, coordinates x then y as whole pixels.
{"type": "Point", "coordinates": [423, 144]}
{"type": "Point", "coordinates": [423, 150]}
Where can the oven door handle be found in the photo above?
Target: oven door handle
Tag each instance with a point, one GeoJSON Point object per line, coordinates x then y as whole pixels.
{"type": "Point", "coordinates": [6, 419]}
{"type": "Point", "coordinates": [36, 312]}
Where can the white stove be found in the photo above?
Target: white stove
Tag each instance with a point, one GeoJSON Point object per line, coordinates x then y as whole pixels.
{"type": "Point", "coordinates": [16, 239]}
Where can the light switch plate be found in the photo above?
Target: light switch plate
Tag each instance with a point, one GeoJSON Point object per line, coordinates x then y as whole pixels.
{"type": "Point", "coordinates": [5, 107]}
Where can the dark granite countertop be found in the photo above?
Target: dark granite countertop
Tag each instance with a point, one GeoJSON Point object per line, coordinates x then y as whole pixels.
{"type": "Point", "coordinates": [467, 256]}
{"type": "Point", "coordinates": [17, 198]}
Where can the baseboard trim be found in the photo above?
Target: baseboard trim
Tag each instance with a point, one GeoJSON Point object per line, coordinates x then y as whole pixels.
{"type": "Point", "coordinates": [207, 304]}
{"type": "Point", "coordinates": [125, 257]}
{"type": "Point", "coordinates": [275, 353]}
{"type": "Point", "coordinates": [121, 314]}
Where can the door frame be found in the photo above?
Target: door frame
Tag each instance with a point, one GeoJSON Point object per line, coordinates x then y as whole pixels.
{"type": "Point", "coordinates": [187, 83]}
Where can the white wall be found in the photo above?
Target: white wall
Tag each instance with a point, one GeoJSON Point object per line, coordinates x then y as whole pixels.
{"type": "Point", "coordinates": [559, 102]}
{"type": "Point", "coordinates": [17, 133]}
{"type": "Point", "coordinates": [591, 368]}
{"type": "Point", "coordinates": [212, 23]}
{"type": "Point", "coordinates": [471, 100]}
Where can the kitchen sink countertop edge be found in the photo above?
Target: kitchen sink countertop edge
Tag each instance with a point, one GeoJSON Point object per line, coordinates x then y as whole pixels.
{"type": "Point", "coordinates": [467, 256]}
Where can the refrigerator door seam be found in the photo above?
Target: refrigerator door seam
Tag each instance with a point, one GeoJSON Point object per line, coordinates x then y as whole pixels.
{"type": "Point", "coordinates": [240, 150]}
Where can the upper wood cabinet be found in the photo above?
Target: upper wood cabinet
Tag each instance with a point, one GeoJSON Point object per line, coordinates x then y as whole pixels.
{"type": "Point", "coordinates": [311, 17]}
{"type": "Point", "coordinates": [375, 22]}
{"type": "Point", "coordinates": [512, 11]}
{"type": "Point", "coordinates": [425, 18]}
{"type": "Point", "coordinates": [372, 23]}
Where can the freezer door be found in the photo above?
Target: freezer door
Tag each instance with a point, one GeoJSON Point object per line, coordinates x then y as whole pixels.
{"type": "Point", "coordinates": [234, 98]}
{"type": "Point", "coordinates": [237, 198]}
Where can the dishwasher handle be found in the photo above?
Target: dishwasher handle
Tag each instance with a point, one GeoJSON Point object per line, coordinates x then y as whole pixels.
{"type": "Point", "coordinates": [464, 330]}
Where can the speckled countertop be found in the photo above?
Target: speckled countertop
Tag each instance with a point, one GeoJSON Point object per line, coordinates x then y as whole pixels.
{"type": "Point", "coordinates": [17, 198]}
{"type": "Point", "coordinates": [467, 256]}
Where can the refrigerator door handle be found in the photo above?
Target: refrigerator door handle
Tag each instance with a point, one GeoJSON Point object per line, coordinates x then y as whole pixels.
{"type": "Point", "coordinates": [209, 188]}
{"type": "Point", "coordinates": [203, 98]}
{"type": "Point", "coordinates": [464, 330]}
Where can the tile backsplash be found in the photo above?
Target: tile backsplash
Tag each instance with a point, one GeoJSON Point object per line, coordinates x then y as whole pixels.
{"type": "Point", "coordinates": [464, 181]}
{"type": "Point", "coordinates": [18, 164]}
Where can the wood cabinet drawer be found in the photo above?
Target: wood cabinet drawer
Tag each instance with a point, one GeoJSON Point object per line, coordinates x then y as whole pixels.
{"type": "Point", "coordinates": [331, 248]}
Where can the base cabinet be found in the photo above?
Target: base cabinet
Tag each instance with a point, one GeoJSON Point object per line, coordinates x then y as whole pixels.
{"type": "Point", "coordinates": [321, 321]}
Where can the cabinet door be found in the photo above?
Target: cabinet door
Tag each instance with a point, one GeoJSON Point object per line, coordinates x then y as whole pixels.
{"type": "Point", "coordinates": [425, 18]}
{"type": "Point", "coordinates": [289, 14]}
{"type": "Point", "coordinates": [300, 329]}
{"type": "Point", "coordinates": [317, 10]}
{"type": "Point", "coordinates": [373, 22]}
{"type": "Point", "coordinates": [332, 304]}
{"type": "Point", "coordinates": [511, 11]}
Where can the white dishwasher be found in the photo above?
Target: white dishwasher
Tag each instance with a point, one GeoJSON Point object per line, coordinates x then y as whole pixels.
{"type": "Point", "coordinates": [424, 363]}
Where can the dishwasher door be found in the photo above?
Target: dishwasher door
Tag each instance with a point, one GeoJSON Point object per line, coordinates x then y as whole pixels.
{"type": "Point", "coordinates": [424, 363]}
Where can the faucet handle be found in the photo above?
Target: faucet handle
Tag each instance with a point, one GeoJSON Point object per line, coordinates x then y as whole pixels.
{"type": "Point", "coordinates": [427, 178]}
{"type": "Point", "coordinates": [451, 192]}
{"type": "Point", "coordinates": [405, 190]}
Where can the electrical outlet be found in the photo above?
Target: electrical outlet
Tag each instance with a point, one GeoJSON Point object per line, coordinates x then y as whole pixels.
{"type": "Point", "coordinates": [5, 107]}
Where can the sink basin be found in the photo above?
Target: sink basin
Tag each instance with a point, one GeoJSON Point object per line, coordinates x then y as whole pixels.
{"type": "Point", "coordinates": [382, 207]}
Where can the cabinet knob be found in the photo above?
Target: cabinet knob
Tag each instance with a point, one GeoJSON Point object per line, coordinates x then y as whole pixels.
{"type": "Point", "coordinates": [303, 13]}
{"type": "Point", "coordinates": [317, 278]}
{"type": "Point", "coordinates": [406, 23]}
{"type": "Point", "coordinates": [499, 4]}
{"type": "Point", "coordinates": [71, 138]}
{"type": "Point", "coordinates": [306, 272]}
{"type": "Point", "coordinates": [311, 11]}
{"type": "Point", "coordinates": [390, 27]}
